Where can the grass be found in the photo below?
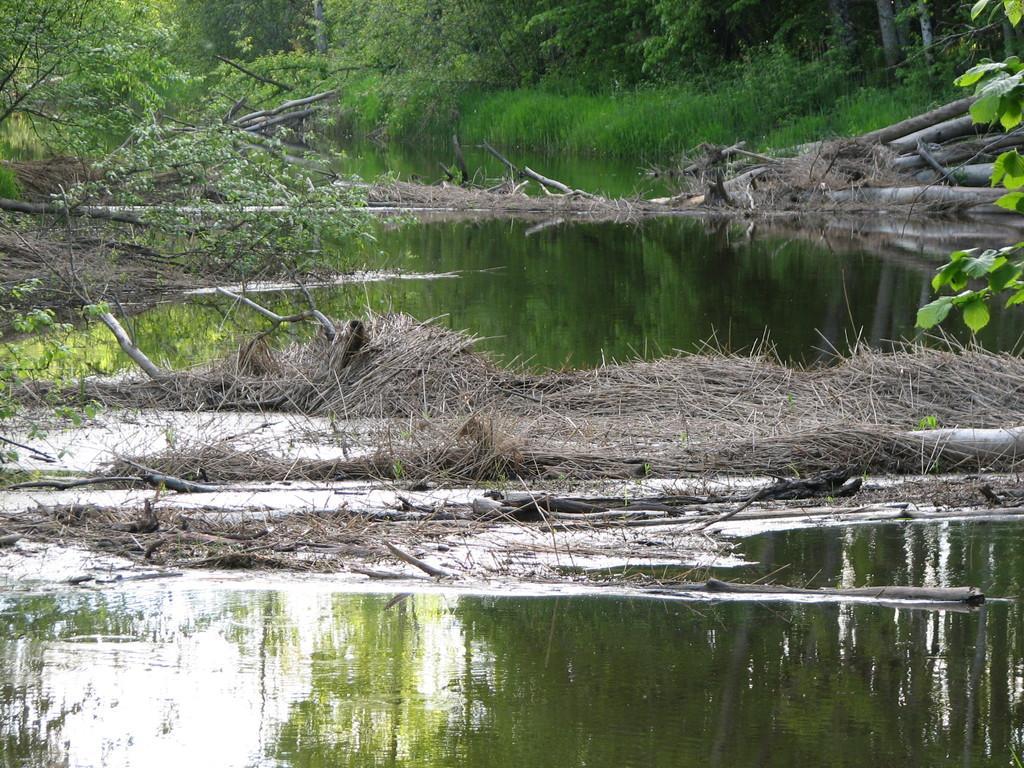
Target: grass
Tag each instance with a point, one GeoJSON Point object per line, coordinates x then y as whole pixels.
{"type": "Point", "coordinates": [659, 123]}
{"type": "Point", "coordinates": [770, 100]}
{"type": "Point", "coordinates": [9, 184]}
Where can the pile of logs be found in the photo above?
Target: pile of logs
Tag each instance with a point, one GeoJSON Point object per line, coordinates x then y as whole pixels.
{"type": "Point", "coordinates": [946, 145]}
{"type": "Point", "coordinates": [940, 159]}
{"type": "Point", "coordinates": [291, 113]}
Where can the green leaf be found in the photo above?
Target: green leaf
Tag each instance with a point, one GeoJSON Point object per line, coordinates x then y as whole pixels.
{"type": "Point", "coordinates": [1014, 201]}
{"type": "Point", "coordinates": [1014, 11]}
{"type": "Point", "coordinates": [978, 8]}
{"type": "Point", "coordinates": [1017, 298]}
{"type": "Point", "coordinates": [976, 314]}
{"type": "Point", "coordinates": [1011, 114]}
{"type": "Point", "coordinates": [1003, 276]}
{"type": "Point", "coordinates": [1008, 169]}
{"type": "Point", "coordinates": [935, 312]}
{"type": "Point", "coordinates": [985, 109]}
{"type": "Point", "coordinates": [977, 72]}
{"type": "Point", "coordinates": [979, 266]}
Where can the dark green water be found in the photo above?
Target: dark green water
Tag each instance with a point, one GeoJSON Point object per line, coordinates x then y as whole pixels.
{"type": "Point", "coordinates": [576, 294]}
{"type": "Point", "coordinates": [300, 676]}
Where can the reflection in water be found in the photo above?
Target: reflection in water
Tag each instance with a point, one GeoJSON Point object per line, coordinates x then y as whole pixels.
{"type": "Point", "coordinates": [578, 294]}
{"type": "Point", "coordinates": [305, 677]}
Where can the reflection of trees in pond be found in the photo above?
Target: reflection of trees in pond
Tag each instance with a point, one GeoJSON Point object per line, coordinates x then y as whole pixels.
{"type": "Point", "coordinates": [386, 688]}
{"type": "Point", "coordinates": [582, 292]}
{"type": "Point", "coordinates": [304, 677]}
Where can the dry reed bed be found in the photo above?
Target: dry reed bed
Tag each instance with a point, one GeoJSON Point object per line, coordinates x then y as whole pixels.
{"type": "Point", "coordinates": [446, 411]}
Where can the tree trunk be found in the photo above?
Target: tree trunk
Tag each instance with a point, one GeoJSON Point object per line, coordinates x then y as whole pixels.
{"type": "Point", "coordinates": [924, 16]}
{"type": "Point", "coordinates": [902, 24]}
{"type": "Point", "coordinates": [890, 39]}
{"type": "Point", "coordinates": [321, 27]}
{"type": "Point", "coordinates": [842, 27]}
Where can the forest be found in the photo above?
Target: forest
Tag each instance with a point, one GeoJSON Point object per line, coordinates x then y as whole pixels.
{"type": "Point", "coordinates": [534, 72]}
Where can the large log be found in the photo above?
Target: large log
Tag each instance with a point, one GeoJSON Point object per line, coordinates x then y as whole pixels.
{"type": "Point", "coordinates": [965, 197]}
{"type": "Point", "coordinates": [58, 209]}
{"type": "Point", "coordinates": [938, 133]}
{"type": "Point", "coordinates": [919, 122]}
{"type": "Point", "coordinates": [980, 445]}
{"type": "Point", "coordinates": [290, 117]}
{"type": "Point", "coordinates": [976, 175]}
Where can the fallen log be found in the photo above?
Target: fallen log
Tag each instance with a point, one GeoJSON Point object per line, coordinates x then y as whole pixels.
{"type": "Point", "coordinates": [965, 595]}
{"type": "Point", "coordinates": [291, 117]}
{"type": "Point", "coordinates": [977, 175]}
{"type": "Point", "coordinates": [431, 570]}
{"type": "Point", "coordinates": [959, 445]}
{"type": "Point", "coordinates": [919, 122]}
{"type": "Point", "coordinates": [965, 197]}
{"type": "Point", "coordinates": [128, 347]}
{"type": "Point", "coordinates": [294, 103]}
{"type": "Point", "coordinates": [939, 133]}
{"type": "Point", "coordinates": [545, 182]}
{"type": "Point", "coordinates": [59, 209]}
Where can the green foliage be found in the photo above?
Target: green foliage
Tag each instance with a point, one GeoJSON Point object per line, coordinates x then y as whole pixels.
{"type": "Point", "coordinates": [83, 70]}
{"type": "Point", "coordinates": [9, 184]}
{"type": "Point", "coordinates": [50, 349]}
{"type": "Point", "coordinates": [239, 28]}
{"type": "Point", "coordinates": [992, 272]}
{"type": "Point", "coordinates": [977, 279]}
{"type": "Point", "coordinates": [244, 207]}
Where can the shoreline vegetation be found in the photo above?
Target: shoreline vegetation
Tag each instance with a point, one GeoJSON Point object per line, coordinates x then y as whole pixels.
{"type": "Point", "coordinates": [653, 125]}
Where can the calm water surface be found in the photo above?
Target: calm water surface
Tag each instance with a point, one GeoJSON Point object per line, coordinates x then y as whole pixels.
{"type": "Point", "coordinates": [577, 294]}
{"type": "Point", "coordinates": [300, 676]}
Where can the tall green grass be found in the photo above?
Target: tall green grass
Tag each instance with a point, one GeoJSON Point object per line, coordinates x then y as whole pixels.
{"type": "Point", "coordinates": [770, 100]}
{"type": "Point", "coordinates": [658, 123]}
{"type": "Point", "coordinates": [9, 184]}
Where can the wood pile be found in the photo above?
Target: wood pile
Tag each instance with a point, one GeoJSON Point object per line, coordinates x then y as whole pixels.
{"type": "Point", "coordinates": [937, 161]}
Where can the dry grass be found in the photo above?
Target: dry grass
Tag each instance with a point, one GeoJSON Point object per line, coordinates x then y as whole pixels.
{"type": "Point", "coordinates": [445, 411]}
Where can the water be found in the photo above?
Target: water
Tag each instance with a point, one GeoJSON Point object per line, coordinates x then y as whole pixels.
{"type": "Point", "coordinates": [422, 161]}
{"type": "Point", "coordinates": [577, 294]}
{"type": "Point", "coordinates": [299, 675]}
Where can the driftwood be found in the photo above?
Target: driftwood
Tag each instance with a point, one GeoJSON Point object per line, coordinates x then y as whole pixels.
{"type": "Point", "coordinates": [527, 506]}
{"type": "Point", "coordinates": [424, 566]}
{"type": "Point", "coordinates": [966, 197]}
{"type": "Point", "coordinates": [965, 595]}
{"type": "Point", "coordinates": [262, 114]}
{"type": "Point", "coordinates": [128, 346]}
{"type": "Point", "coordinates": [311, 314]}
{"type": "Point", "coordinates": [939, 133]}
{"type": "Point", "coordinates": [59, 209]}
{"type": "Point", "coordinates": [975, 444]}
